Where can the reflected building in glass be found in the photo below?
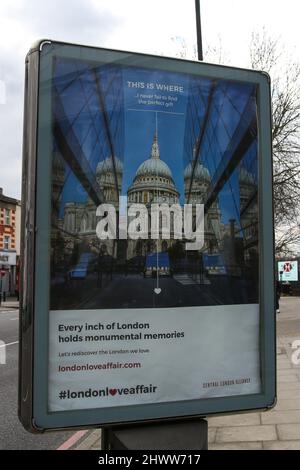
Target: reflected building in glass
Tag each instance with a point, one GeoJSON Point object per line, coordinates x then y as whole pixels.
{"type": "Point", "coordinates": [196, 183]}
{"type": "Point", "coordinates": [214, 165]}
{"type": "Point", "coordinates": [220, 154]}
{"type": "Point", "coordinates": [89, 148]}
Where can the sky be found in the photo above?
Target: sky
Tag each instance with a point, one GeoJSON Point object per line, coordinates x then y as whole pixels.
{"type": "Point", "coordinates": [168, 122]}
{"type": "Point", "coordinates": [157, 26]}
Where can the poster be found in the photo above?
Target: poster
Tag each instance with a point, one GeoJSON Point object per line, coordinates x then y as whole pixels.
{"type": "Point", "coordinates": [144, 307]}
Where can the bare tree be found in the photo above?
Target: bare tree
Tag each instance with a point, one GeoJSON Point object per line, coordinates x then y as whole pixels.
{"type": "Point", "coordinates": [267, 54]}
{"type": "Point", "coordinates": [213, 53]}
{"type": "Point", "coordinates": [183, 50]}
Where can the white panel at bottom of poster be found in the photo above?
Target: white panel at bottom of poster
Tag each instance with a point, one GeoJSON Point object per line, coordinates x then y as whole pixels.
{"type": "Point", "coordinates": [105, 358]}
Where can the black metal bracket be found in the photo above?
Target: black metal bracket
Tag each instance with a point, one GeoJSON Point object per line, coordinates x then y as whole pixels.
{"type": "Point", "coordinates": [180, 435]}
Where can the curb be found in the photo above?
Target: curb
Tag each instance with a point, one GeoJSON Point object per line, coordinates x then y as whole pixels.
{"type": "Point", "coordinates": [91, 442]}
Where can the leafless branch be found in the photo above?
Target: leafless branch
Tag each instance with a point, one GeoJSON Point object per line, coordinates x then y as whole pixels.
{"type": "Point", "coordinates": [265, 54]}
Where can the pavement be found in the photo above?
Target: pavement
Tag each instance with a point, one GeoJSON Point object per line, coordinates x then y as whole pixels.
{"type": "Point", "coordinates": [277, 429]}
{"type": "Point", "coordinates": [11, 302]}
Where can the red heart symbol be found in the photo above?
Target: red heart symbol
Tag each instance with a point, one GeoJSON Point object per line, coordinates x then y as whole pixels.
{"type": "Point", "coordinates": [113, 391]}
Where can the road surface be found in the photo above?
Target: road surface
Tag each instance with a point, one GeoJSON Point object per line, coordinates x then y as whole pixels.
{"type": "Point", "coordinates": [12, 433]}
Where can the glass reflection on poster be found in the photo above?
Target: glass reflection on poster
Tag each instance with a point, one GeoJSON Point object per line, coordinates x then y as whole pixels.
{"type": "Point", "coordinates": [128, 135]}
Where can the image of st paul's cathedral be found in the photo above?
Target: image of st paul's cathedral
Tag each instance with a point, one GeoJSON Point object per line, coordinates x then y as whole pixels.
{"type": "Point", "coordinates": [152, 183]}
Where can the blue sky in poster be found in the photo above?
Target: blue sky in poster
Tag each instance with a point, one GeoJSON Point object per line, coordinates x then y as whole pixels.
{"type": "Point", "coordinates": [151, 95]}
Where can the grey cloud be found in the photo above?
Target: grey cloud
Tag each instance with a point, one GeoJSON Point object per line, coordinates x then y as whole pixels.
{"type": "Point", "coordinates": [67, 20]}
{"type": "Point", "coordinates": [70, 20]}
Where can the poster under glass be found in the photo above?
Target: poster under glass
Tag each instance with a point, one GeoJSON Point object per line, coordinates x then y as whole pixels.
{"type": "Point", "coordinates": [154, 242]}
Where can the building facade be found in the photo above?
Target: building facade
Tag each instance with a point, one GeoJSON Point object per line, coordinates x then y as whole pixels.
{"type": "Point", "coordinates": [80, 218]}
{"type": "Point", "coordinates": [196, 184]}
{"type": "Point", "coordinates": [9, 243]}
{"type": "Point", "coordinates": [152, 183]}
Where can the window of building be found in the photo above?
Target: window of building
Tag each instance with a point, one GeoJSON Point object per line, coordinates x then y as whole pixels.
{"type": "Point", "coordinates": [7, 217]}
{"type": "Point", "coordinates": [6, 242]}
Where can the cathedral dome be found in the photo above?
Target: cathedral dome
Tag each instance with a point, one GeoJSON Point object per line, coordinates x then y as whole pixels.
{"type": "Point", "coordinates": [106, 166]}
{"type": "Point", "coordinates": [154, 167]}
{"type": "Point", "coordinates": [200, 172]}
{"type": "Point", "coordinates": [153, 181]}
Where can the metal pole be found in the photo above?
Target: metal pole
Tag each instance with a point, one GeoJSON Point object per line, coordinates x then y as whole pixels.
{"type": "Point", "coordinates": [199, 32]}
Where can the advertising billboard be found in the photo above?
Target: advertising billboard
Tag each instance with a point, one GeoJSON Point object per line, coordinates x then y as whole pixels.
{"type": "Point", "coordinates": [288, 271]}
{"type": "Point", "coordinates": [147, 297]}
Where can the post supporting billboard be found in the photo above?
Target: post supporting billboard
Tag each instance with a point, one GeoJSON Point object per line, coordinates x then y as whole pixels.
{"type": "Point", "coordinates": [178, 435]}
{"type": "Point", "coordinates": [199, 30]}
